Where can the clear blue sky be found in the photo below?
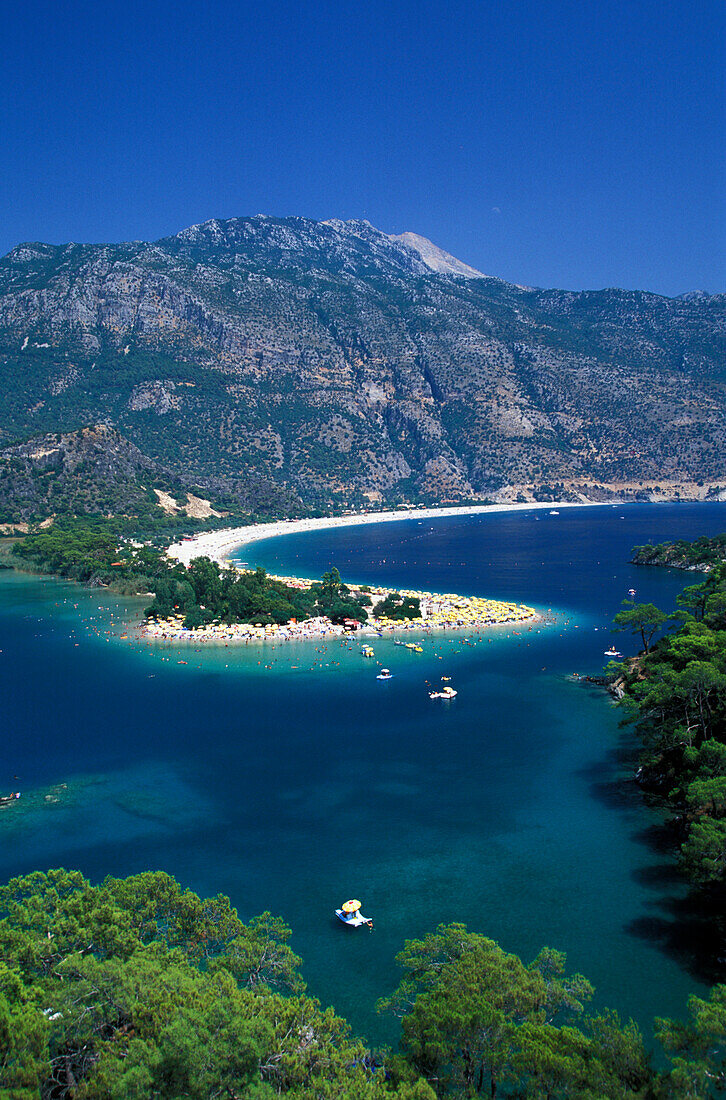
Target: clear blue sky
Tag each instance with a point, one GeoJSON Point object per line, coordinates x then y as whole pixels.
{"type": "Point", "coordinates": [573, 144]}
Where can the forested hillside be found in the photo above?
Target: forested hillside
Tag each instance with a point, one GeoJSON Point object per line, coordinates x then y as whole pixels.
{"type": "Point", "coordinates": [278, 364]}
{"type": "Point", "coordinates": [675, 693]}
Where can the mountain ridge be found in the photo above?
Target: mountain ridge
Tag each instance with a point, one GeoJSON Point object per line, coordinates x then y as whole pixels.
{"type": "Point", "coordinates": [411, 241]}
{"type": "Point", "coordinates": [330, 360]}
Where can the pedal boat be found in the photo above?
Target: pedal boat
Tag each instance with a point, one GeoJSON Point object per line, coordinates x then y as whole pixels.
{"type": "Point", "coordinates": [350, 914]}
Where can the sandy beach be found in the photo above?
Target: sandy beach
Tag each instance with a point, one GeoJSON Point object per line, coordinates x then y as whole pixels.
{"type": "Point", "coordinates": [447, 611]}
{"type": "Point", "coordinates": [218, 545]}
{"type": "Point", "coordinates": [440, 611]}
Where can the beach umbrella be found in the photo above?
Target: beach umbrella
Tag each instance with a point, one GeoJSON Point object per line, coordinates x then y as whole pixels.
{"type": "Point", "coordinates": [351, 906]}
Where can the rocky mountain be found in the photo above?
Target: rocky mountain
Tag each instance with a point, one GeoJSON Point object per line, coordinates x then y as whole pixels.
{"type": "Point", "coordinates": [435, 258]}
{"type": "Point", "coordinates": [321, 363]}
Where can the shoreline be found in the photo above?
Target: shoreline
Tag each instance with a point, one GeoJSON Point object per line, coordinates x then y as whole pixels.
{"type": "Point", "coordinates": [218, 545]}
{"type": "Point", "coordinates": [441, 611]}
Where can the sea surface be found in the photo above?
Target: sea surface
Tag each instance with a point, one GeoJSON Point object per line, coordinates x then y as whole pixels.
{"type": "Point", "coordinates": [287, 777]}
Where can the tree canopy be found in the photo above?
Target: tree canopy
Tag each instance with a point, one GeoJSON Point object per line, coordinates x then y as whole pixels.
{"type": "Point", "coordinates": [476, 1020]}
{"type": "Point", "coordinates": [138, 989]}
{"type": "Point", "coordinates": [675, 693]}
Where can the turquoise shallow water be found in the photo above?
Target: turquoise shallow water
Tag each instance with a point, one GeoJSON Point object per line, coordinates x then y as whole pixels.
{"type": "Point", "coordinates": [290, 779]}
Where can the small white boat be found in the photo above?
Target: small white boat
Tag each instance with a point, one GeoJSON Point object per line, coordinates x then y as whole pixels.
{"type": "Point", "coordinates": [350, 914]}
{"type": "Point", "coordinates": [385, 674]}
{"type": "Point", "coordinates": [631, 591]}
{"type": "Point", "coordinates": [554, 513]}
{"type": "Point", "coordinates": [613, 652]}
{"type": "Point", "coordinates": [445, 693]}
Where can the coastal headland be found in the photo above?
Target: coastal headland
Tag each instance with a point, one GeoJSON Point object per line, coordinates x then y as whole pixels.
{"type": "Point", "coordinates": [439, 611]}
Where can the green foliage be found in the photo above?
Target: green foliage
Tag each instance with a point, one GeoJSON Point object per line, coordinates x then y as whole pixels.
{"type": "Point", "coordinates": [676, 693]}
{"type": "Point", "coordinates": [99, 552]}
{"type": "Point", "coordinates": [71, 549]}
{"type": "Point", "coordinates": [335, 600]}
{"type": "Point", "coordinates": [697, 1049]}
{"type": "Point", "coordinates": [137, 989]}
{"type": "Point", "coordinates": [702, 553]}
{"type": "Point", "coordinates": [642, 619]}
{"type": "Point", "coordinates": [397, 607]}
{"type": "Point", "coordinates": [477, 1020]}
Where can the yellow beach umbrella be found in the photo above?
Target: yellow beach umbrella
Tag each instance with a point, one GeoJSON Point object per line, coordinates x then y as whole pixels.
{"type": "Point", "coordinates": [351, 906]}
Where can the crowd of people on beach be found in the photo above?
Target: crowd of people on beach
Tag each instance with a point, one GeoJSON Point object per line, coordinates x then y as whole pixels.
{"type": "Point", "coordinates": [438, 612]}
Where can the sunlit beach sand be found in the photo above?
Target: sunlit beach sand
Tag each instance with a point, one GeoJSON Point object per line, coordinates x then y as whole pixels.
{"type": "Point", "coordinates": [439, 611]}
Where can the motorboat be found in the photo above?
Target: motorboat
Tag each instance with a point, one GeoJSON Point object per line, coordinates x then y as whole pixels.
{"type": "Point", "coordinates": [554, 513]}
{"type": "Point", "coordinates": [385, 674]}
{"type": "Point", "coordinates": [350, 914]}
{"type": "Point", "coordinates": [446, 693]}
{"type": "Point", "coordinates": [6, 799]}
{"type": "Point", "coordinates": [612, 652]}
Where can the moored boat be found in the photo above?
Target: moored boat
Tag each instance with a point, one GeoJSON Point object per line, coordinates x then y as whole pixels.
{"type": "Point", "coordinates": [385, 674]}
{"type": "Point", "coordinates": [350, 914]}
{"type": "Point", "coordinates": [445, 693]}
{"type": "Point", "coordinates": [6, 799]}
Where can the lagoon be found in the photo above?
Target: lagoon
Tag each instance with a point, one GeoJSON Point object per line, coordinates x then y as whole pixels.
{"type": "Point", "coordinates": [290, 779]}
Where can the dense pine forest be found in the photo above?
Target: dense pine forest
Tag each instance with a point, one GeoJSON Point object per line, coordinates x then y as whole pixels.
{"type": "Point", "coordinates": [137, 988]}
{"type": "Point", "coordinates": [701, 554]}
{"type": "Point", "coordinates": [675, 694]}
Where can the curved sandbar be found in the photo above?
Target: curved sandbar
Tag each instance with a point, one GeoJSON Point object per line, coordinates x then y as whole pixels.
{"type": "Point", "coordinates": [438, 610]}
{"type": "Point", "coordinates": [218, 545]}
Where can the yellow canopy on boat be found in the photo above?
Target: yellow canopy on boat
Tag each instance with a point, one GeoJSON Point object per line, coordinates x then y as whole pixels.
{"type": "Point", "coordinates": [351, 906]}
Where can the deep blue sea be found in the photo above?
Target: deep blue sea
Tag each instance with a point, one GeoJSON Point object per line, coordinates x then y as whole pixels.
{"type": "Point", "coordinates": [290, 779]}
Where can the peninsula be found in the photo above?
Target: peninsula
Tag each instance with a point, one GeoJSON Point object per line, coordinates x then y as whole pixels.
{"type": "Point", "coordinates": [700, 556]}
{"type": "Point", "coordinates": [427, 610]}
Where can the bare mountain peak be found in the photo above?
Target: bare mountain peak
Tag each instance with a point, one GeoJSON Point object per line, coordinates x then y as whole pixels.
{"type": "Point", "coordinates": [434, 257]}
{"type": "Point", "coordinates": [421, 254]}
